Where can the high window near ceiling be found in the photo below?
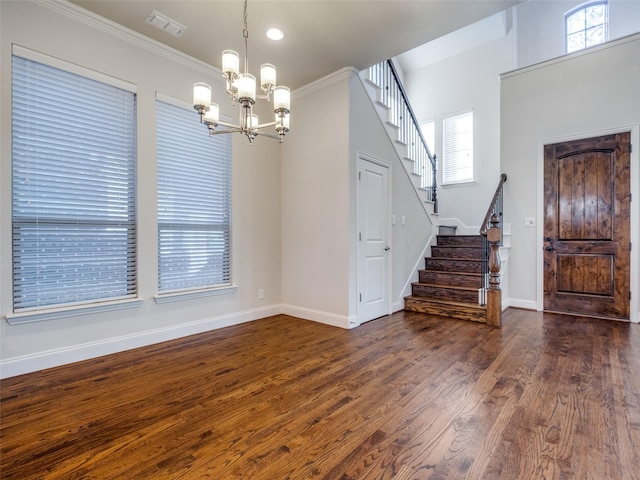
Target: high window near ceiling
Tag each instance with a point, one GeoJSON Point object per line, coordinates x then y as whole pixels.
{"type": "Point", "coordinates": [194, 202]}
{"type": "Point", "coordinates": [586, 25]}
{"type": "Point", "coordinates": [457, 148]}
{"type": "Point", "coordinates": [73, 187]}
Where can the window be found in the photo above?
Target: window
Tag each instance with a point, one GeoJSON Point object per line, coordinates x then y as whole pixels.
{"type": "Point", "coordinates": [586, 26]}
{"type": "Point", "coordinates": [194, 202]}
{"type": "Point", "coordinates": [428, 129]}
{"type": "Point", "coordinates": [457, 161]}
{"type": "Point", "coordinates": [73, 188]}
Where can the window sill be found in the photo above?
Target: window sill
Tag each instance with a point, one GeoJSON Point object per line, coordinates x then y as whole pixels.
{"type": "Point", "coordinates": [71, 311]}
{"type": "Point", "coordinates": [466, 183]}
{"type": "Point", "coordinates": [188, 294]}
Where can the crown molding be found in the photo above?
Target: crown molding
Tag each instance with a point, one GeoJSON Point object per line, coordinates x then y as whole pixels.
{"type": "Point", "coordinates": [345, 73]}
{"type": "Point", "coordinates": [634, 37]}
{"type": "Point", "coordinates": [114, 29]}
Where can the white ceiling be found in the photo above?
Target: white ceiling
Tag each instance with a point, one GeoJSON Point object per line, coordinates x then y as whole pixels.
{"type": "Point", "coordinates": [321, 36]}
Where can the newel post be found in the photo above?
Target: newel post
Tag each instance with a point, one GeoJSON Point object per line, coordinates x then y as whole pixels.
{"type": "Point", "coordinates": [494, 294]}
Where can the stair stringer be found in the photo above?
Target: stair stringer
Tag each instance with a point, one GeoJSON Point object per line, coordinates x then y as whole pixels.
{"type": "Point", "coordinates": [406, 290]}
{"type": "Point", "coordinates": [400, 148]}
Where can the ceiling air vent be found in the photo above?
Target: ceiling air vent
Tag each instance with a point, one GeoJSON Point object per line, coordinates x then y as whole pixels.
{"type": "Point", "coordinates": [165, 23]}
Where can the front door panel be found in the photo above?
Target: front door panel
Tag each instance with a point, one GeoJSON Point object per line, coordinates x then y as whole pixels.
{"type": "Point", "coordinates": [587, 226]}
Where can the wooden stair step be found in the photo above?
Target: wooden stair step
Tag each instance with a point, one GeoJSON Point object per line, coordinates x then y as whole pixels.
{"type": "Point", "coordinates": [449, 251]}
{"type": "Point", "coordinates": [453, 265]}
{"type": "Point", "coordinates": [460, 279]}
{"type": "Point", "coordinates": [443, 308]}
{"type": "Point", "coordinates": [453, 293]}
{"type": "Point", "coordinates": [459, 240]}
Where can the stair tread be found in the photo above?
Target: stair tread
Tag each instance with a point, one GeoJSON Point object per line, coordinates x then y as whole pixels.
{"type": "Point", "coordinates": [453, 287]}
{"type": "Point", "coordinates": [457, 259]}
{"type": "Point", "coordinates": [449, 272]}
{"type": "Point", "coordinates": [446, 302]}
{"type": "Point", "coordinates": [460, 236]}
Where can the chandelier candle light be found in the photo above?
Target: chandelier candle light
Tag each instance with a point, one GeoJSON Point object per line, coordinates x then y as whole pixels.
{"type": "Point", "coordinates": [242, 89]}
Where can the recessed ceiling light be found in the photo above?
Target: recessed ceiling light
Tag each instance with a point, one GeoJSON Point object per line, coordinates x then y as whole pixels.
{"type": "Point", "coordinates": [275, 34]}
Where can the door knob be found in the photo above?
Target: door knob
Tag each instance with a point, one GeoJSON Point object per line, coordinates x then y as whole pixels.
{"type": "Point", "coordinates": [547, 239]}
{"type": "Point", "coordinates": [386, 249]}
{"type": "Point", "coordinates": [548, 249]}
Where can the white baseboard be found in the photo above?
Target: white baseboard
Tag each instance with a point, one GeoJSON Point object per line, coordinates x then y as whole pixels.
{"type": "Point", "coordinates": [397, 306]}
{"type": "Point", "coordinates": [519, 303]}
{"type": "Point", "coordinates": [327, 318]}
{"type": "Point", "coordinates": [76, 353]}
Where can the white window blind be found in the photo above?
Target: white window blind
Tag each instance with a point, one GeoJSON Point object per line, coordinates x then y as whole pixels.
{"type": "Point", "coordinates": [457, 161]}
{"type": "Point", "coordinates": [194, 202]}
{"type": "Point", "coordinates": [73, 190]}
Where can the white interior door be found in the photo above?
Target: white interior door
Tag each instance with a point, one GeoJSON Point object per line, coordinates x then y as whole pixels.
{"type": "Point", "coordinates": [373, 240]}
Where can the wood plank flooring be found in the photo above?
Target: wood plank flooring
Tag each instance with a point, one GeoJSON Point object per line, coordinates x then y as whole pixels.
{"type": "Point", "coordinates": [404, 397]}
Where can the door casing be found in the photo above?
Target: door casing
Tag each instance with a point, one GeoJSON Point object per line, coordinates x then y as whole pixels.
{"type": "Point", "coordinates": [363, 316]}
{"type": "Point", "coordinates": [635, 212]}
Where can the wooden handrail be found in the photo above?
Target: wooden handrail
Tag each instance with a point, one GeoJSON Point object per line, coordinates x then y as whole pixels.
{"type": "Point", "coordinates": [492, 206]}
{"type": "Point", "coordinates": [411, 112]}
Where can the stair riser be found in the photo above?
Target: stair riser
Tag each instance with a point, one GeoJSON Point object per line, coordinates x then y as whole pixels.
{"type": "Point", "coordinates": [471, 314]}
{"type": "Point", "coordinates": [446, 279]}
{"type": "Point", "coordinates": [471, 253]}
{"type": "Point", "coordinates": [444, 293]}
{"type": "Point", "coordinates": [447, 265]}
{"type": "Point", "coordinates": [460, 240]}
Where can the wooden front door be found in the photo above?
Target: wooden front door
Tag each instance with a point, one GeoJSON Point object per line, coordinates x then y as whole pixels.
{"type": "Point", "coordinates": [587, 226]}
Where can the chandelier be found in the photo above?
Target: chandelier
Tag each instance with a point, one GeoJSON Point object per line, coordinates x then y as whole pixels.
{"type": "Point", "coordinates": [242, 89]}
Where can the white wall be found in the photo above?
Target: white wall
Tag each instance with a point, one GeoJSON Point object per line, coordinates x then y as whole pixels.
{"type": "Point", "coordinates": [466, 81]}
{"type": "Point", "coordinates": [315, 203]}
{"type": "Point", "coordinates": [256, 198]}
{"type": "Point", "coordinates": [540, 26]}
{"type": "Point", "coordinates": [584, 94]}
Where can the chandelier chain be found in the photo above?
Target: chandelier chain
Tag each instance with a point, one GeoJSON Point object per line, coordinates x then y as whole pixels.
{"type": "Point", "coordinates": [245, 34]}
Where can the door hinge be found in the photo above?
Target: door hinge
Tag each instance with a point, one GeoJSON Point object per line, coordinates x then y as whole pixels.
{"type": "Point", "coordinates": [630, 148]}
{"type": "Point", "coordinates": [361, 296]}
{"type": "Point", "coordinates": [359, 176]}
{"type": "Point", "coordinates": [360, 236]}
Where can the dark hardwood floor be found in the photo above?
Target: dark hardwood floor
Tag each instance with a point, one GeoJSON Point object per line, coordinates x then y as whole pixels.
{"type": "Point", "coordinates": [403, 397]}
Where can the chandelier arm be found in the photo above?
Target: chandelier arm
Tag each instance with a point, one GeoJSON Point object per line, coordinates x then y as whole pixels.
{"type": "Point", "coordinates": [270, 135]}
{"type": "Point", "coordinates": [264, 125]}
{"type": "Point", "coordinates": [218, 132]}
{"type": "Point", "coordinates": [229, 125]}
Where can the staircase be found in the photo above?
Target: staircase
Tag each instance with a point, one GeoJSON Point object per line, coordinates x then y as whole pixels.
{"type": "Point", "coordinates": [392, 106]}
{"type": "Point", "coordinates": [451, 283]}
{"type": "Point", "coordinates": [462, 277]}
